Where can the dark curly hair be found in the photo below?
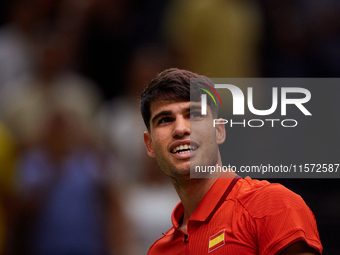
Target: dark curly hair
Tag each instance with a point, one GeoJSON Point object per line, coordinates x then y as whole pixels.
{"type": "Point", "coordinates": [172, 85]}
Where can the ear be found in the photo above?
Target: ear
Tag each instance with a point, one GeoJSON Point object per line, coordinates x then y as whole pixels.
{"type": "Point", "coordinates": [148, 144]}
{"type": "Point", "coordinates": [220, 133]}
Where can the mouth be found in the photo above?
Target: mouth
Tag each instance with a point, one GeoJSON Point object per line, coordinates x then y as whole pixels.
{"type": "Point", "coordinates": [185, 148]}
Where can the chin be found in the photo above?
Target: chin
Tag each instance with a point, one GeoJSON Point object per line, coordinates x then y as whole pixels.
{"type": "Point", "coordinates": [181, 173]}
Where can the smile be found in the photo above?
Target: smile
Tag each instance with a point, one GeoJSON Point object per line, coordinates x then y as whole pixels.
{"type": "Point", "coordinates": [184, 149]}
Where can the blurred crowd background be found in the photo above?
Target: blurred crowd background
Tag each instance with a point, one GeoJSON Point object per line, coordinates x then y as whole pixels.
{"type": "Point", "coordinates": [74, 175]}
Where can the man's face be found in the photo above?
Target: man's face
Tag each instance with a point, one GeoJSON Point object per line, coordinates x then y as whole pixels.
{"type": "Point", "coordinates": [180, 136]}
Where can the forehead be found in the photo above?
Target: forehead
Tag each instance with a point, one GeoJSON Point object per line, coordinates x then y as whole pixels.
{"type": "Point", "coordinates": [173, 106]}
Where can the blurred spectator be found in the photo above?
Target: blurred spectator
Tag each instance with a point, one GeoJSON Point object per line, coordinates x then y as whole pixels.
{"type": "Point", "coordinates": [215, 38]}
{"type": "Point", "coordinates": [146, 189]}
{"type": "Point", "coordinates": [17, 39]}
{"type": "Point", "coordinates": [120, 118]}
{"type": "Point", "coordinates": [53, 84]}
{"type": "Point", "coordinates": [147, 204]}
{"type": "Point", "coordinates": [114, 29]}
{"type": "Point", "coordinates": [62, 179]}
{"type": "Point", "coordinates": [7, 187]}
{"type": "Point", "coordinates": [60, 184]}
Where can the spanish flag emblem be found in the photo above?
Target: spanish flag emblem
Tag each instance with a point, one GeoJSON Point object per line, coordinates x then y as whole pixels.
{"type": "Point", "coordinates": [217, 240]}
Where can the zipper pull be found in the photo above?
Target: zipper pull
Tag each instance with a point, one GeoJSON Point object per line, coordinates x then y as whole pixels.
{"type": "Point", "coordinates": [185, 238]}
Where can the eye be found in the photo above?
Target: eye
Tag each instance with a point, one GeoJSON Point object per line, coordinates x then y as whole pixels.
{"type": "Point", "coordinates": [195, 114]}
{"type": "Point", "coordinates": [165, 120]}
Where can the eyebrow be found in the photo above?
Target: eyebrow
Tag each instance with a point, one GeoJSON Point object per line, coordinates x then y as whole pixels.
{"type": "Point", "coordinates": [163, 113]}
{"type": "Point", "coordinates": [195, 107]}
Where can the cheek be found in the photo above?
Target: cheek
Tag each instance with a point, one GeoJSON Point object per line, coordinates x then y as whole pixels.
{"type": "Point", "coordinates": [160, 139]}
{"type": "Point", "coordinates": [162, 136]}
{"type": "Point", "coordinates": [203, 130]}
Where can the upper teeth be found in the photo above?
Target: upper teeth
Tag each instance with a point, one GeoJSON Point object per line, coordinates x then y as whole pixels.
{"type": "Point", "coordinates": [183, 147]}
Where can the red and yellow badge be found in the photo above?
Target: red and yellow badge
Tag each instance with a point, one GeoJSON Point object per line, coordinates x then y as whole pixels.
{"type": "Point", "coordinates": [216, 241]}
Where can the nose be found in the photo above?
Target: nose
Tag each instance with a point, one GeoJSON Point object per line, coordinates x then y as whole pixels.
{"type": "Point", "coordinates": [181, 127]}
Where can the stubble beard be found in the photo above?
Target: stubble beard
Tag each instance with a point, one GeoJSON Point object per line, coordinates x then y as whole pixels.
{"type": "Point", "coordinates": [184, 173]}
{"type": "Point", "coordinates": [171, 170]}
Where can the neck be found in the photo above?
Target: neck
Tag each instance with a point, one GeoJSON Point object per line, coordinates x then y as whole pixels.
{"type": "Point", "coordinates": [191, 192]}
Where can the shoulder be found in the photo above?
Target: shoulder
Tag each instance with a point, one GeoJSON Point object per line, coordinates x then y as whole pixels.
{"type": "Point", "coordinates": [162, 244]}
{"type": "Point", "coordinates": [275, 216]}
{"type": "Point", "coordinates": [261, 198]}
